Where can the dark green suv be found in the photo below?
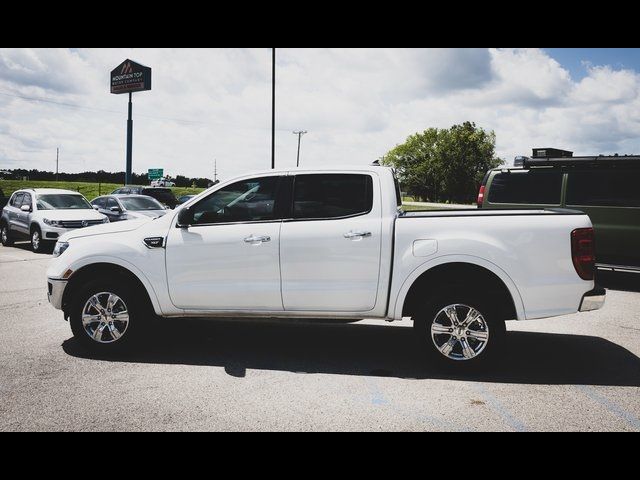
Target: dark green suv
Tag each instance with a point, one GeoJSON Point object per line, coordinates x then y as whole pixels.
{"type": "Point", "coordinates": [605, 188]}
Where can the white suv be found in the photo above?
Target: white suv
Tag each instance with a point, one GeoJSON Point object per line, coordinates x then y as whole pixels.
{"type": "Point", "coordinates": [43, 215]}
{"type": "Point", "coordinates": [163, 182]}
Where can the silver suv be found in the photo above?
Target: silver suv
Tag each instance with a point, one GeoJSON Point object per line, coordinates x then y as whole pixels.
{"type": "Point", "coordinates": [42, 215]}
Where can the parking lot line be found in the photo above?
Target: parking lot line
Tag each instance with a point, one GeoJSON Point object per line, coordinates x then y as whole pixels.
{"type": "Point", "coordinates": [499, 408]}
{"type": "Point", "coordinates": [612, 407]}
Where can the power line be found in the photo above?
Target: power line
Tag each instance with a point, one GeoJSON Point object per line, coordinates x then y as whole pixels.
{"type": "Point", "coordinates": [116, 112]}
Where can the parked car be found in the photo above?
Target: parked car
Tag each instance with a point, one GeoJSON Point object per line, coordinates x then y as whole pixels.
{"type": "Point", "coordinates": [164, 195]}
{"type": "Point", "coordinates": [3, 199]}
{"type": "Point", "coordinates": [43, 215]}
{"type": "Point", "coordinates": [605, 188]}
{"type": "Point", "coordinates": [185, 198]}
{"type": "Point", "coordinates": [128, 207]}
{"type": "Point", "coordinates": [163, 182]}
{"type": "Point", "coordinates": [327, 244]}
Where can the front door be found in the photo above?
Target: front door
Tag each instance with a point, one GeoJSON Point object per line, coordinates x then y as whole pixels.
{"type": "Point", "coordinates": [229, 258]}
{"type": "Point", "coordinates": [330, 249]}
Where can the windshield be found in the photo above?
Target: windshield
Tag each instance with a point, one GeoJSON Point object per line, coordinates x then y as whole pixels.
{"type": "Point", "coordinates": [62, 202]}
{"type": "Point", "coordinates": [138, 204]}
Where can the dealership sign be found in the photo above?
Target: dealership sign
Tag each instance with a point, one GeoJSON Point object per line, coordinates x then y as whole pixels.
{"type": "Point", "coordinates": [130, 76]}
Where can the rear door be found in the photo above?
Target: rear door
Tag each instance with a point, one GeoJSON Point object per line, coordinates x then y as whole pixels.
{"type": "Point", "coordinates": [611, 198]}
{"type": "Point", "coordinates": [12, 210]}
{"type": "Point", "coordinates": [330, 248]}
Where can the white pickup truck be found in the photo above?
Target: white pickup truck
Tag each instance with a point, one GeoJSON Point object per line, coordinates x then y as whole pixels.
{"type": "Point", "coordinates": [327, 244]}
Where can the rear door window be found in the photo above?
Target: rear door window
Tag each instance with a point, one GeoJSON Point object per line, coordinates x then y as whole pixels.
{"type": "Point", "coordinates": [99, 202]}
{"type": "Point", "coordinates": [533, 187]}
{"type": "Point", "coordinates": [17, 200]}
{"type": "Point", "coordinates": [319, 196]}
{"type": "Point", "coordinates": [619, 188]}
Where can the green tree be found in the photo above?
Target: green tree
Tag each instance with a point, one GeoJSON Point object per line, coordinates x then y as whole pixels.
{"type": "Point", "coordinates": [445, 164]}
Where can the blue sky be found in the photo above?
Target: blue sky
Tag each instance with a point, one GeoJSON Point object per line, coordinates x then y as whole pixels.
{"type": "Point", "coordinates": [574, 59]}
{"type": "Point", "coordinates": [356, 104]}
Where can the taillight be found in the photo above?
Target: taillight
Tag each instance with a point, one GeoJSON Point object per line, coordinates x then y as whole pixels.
{"type": "Point", "coordinates": [583, 252]}
{"type": "Point", "coordinates": [481, 196]}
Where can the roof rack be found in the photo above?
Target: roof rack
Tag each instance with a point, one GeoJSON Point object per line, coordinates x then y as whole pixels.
{"type": "Point", "coordinates": [598, 161]}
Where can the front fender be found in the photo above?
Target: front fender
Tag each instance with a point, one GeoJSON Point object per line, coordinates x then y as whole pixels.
{"type": "Point", "coordinates": [78, 264]}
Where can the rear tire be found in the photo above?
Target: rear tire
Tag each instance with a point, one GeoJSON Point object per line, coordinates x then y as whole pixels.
{"type": "Point", "coordinates": [460, 331]}
{"type": "Point", "coordinates": [109, 316]}
{"type": "Point", "coordinates": [5, 233]}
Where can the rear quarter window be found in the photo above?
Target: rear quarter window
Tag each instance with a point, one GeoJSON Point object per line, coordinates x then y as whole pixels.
{"type": "Point", "coordinates": [527, 187]}
{"type": "Point", "coordinates": [619, 188]}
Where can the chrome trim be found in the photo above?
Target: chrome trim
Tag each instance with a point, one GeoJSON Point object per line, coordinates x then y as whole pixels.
{"type": "Point", "coordinates": [105, 317]}
{"type": "Point", "coordinates": [617, 268]}
{"type": "Point", "coordinates": [351, 235]}
{"type": "Point", "coordinates": [57, 292]}
{"type": "Point", "coordinates": [593, 300]}
{"type": "Point", "coordinates": [459, 338]}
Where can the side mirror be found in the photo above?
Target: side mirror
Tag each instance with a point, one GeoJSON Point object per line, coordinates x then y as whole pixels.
{"type": "Point", "coordinates": [115, 209]}
{"type": "Point", "coordinates": [25, 208]}
{"type": "Point", "coordinates": [185, 218]}
{"type": "Point", "coordinates": [96, 207]}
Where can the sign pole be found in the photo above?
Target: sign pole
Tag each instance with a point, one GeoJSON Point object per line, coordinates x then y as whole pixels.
{"type": "Point", "coordinates": [129, 77]}
{"type": "Point", "coordinates": [127, 180]}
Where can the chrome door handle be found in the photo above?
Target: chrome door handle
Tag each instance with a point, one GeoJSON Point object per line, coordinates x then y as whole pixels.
{"type": "Point", "coordinates": [354, 235]}
{"type": "Point", "coordinates": [257, 239]}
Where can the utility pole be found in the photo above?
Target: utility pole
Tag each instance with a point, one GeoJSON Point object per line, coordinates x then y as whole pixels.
{"type": "Point", "coordinates": [273, 108]}
{"type": "Point", "coordinates": [215, 171]}
{"type": "Point", "coordinates": [299, 133]}
{"type": "Point", "coordinates": [57, 162]}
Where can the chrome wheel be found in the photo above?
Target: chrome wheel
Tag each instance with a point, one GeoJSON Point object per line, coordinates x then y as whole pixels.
{"type": "Point", "coordinates": [5, 235]}
{"type": "Point", "coordinates": [105, 317]}
{"type": "Point", "coordinates": [35, 240]}
{"type": "Point", "coordinates": [460, 332]}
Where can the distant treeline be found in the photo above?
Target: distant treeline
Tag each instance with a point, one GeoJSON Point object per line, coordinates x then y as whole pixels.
{"type": "Point", "coordinates": [103, 177]}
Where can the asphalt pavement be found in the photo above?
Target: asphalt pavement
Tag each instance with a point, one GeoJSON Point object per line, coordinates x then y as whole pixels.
{"type": "Point", "coordinates": [578, 372]}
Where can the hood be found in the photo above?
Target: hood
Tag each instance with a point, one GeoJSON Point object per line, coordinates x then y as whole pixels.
{"type": "Point", "coordinates": [116, 227]}
{"type": "Point", "coordinates": [146, 214]}
{"type": "Point", "coordinates": [84, 214]}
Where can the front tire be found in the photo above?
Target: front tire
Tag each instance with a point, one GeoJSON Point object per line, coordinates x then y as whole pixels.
{"type": "Point", "coordinates": [108, 316]}
{"type": "Point", "coordinates": [5, 234]}
{"type": "Point", "coordinates": [460, 331]}
{"type": "Point", "coordinates": [38, 245]}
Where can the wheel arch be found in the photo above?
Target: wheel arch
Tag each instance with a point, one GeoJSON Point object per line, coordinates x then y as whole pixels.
{"type": "Point", "coordinates": [111, 271]}
{"type": "Point", "coordinates": [476, 273]}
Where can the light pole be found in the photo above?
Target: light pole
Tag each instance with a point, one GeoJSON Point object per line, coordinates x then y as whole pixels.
{"type": "Point", "coordinates": [299, 133]}
{"type": "Point", "coordinates": [273, 108]}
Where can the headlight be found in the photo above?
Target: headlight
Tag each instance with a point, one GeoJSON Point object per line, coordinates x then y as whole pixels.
{"type": "Point", "coordinates": [52, 223]}
{"type": "Point", "coordinates": [60, 248]}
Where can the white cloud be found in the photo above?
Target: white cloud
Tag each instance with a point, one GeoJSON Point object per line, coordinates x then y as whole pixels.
{"type": "Point", "coordinates": [356, 104]}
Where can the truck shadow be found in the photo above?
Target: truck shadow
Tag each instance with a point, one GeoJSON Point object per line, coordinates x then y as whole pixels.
{"type": "Point", "coordinates": [370, 350]}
